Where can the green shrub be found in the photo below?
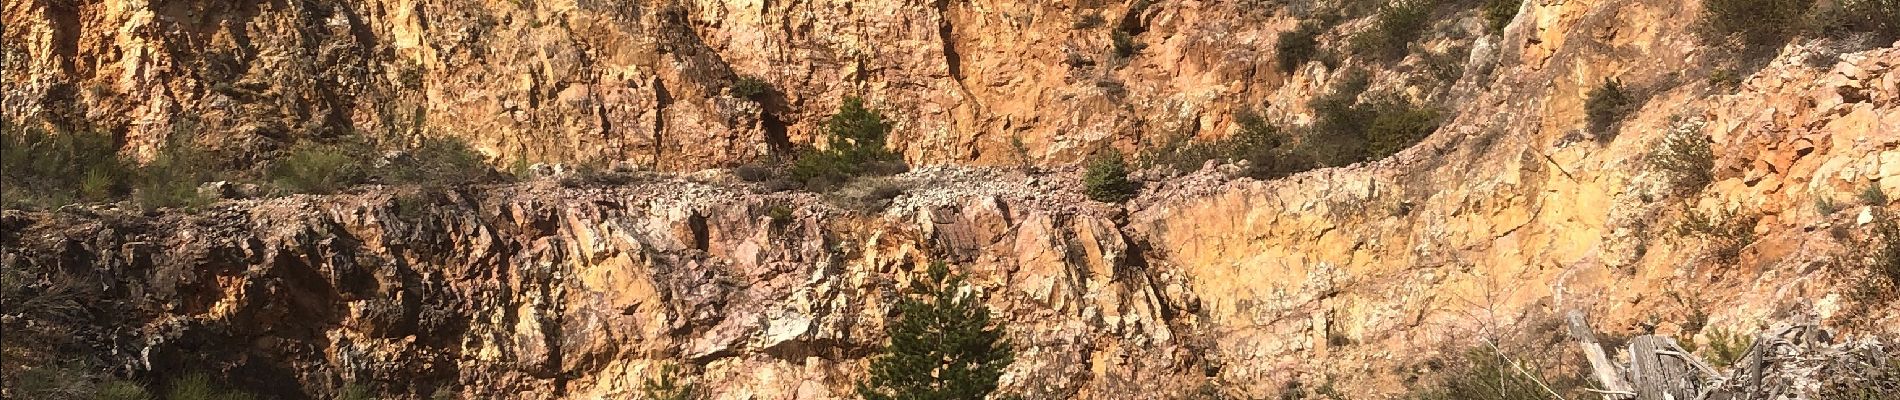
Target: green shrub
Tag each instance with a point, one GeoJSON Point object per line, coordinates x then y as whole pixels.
{"type": "Point", "coordinates": [1125, 44]}
{"type": "Point", "coordinates": [320, 168]}
{"type": "Point", "coordinates": [1481, 374]}
{"type": "Point", "coordinates": [1873, 196]}
{"type": "Point", "coordinates": [172, 179]}
{"type": "Point", "coordinates": [1754, 22]}
{"type": "Point", "coordinates": [1825, 205]}
{"type": "Point", "coordinates": [46, 169]}
{"type": "Point", "coordinates": [356, 391]}
{"type": "Point", "coordinates": [439, 162]}
{"type": "Point", "coordinates": [1256, 141]}
{"type": "Point", "coordinates": [1019, 152]}
{"type": "Point", "coordinates": [1347, 131]}
{"type": "Point", "coordinates": [198, 386]}
{"type": "Point", "coordinates": [1725, 347]}
{"type": "Point", "coordinates": [750, 87]}
{"type": "Point", "coordinates": [1397, 25]}
{"type": "Point", "coordinates": [1337, 136]}
{"type": "Point", "coordinates": [1879, 18]}
{"type": "Point", "coordinates": [1883, 251]}
{"type": "Point", "coordinates": [1685, 158]}
{"type": "Point", "coordinates": [1107, 178]}
{"type": "Point", "coordinates": [1498, 13]}
{"type": "Point", "coordinates": [856, 137]}
{"type": "Point", "coordinates": [121, 390]}
{"type": "Point", "coordinates": [779, 213]}
{"type": "Point", "coordinates": [1607, 105]}
{"type": "Point", "coordinates": [667, 386]}
{"type": "Point", "coordinates": [1876, 383]}
{"type": "Point", "coordinates": [1089, 21]}
{"type": "Point", "coordinates": [1397, 124]}
{"type": "Point", "coordinates": [1726, 231]}
{"type": "Point", "coordinates": [1725, 78]}
{"type": "Point", "coordinates": [1296, 47]}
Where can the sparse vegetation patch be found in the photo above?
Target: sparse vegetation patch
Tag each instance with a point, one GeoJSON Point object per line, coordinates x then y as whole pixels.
{"type": "Point", "coordinates": [1606, 106]}
{"type": "Point", "coordinates": [1394, 29]}
{"type": "Point", "coordinates": [1685, 157]}
{"type": "Point", "coordinates": [1298, 46]}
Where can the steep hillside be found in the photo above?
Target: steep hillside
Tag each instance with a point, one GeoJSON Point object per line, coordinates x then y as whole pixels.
{"type": "Point", "coordinates": [1733, 190]}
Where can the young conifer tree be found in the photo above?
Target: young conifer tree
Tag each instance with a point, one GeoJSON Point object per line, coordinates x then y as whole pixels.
{"type": "Point", "coordinates": [942, 347]}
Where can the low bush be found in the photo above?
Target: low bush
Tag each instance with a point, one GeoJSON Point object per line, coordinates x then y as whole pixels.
{"type": "Point", "coordinates": [1873, 196]}
{"type": "Point", "coordinates": [1257, 140]}
{"type": "Point", "coordinates": [1089, 21]}
{"type": "Point", "coordinates": [41, 169]}
{"type": "Point", "coordinates": [1298, 46]}
{"type": "Point", "coordinates": [669, 385]}
{"type": "Point", "coordinates": [1725, 78]}
{"type": "Point", "coordinates": [1727, 232]}
{"type": "Point", "coordinates": [1398, 124]}
{"type": "Point", "coordinates": [1606, 106]}
{"type": "Point", "coordinates": [1498, 13]}
{"type": "Point", "coordinates": [1124, 44]}
{"type": "Point", "coordinates": [199, 386]}
{"type": "Point", "coordinates": [172, 179]}
{"type": "Point", "coordinates": [750, 87]}
{"type": "Point", "coordinates": [1878, 18]}
{"type": "Point", "coordinates": [1106, 179]}
{"type": "Point", "coordinates": [1725, 347]}
{"type": "Point", "coordinates": [1753, 22]}
{"type": "Point", "coordinates": [320, 168]}
{"type": "Point", "coordinates": [1394, 29]}
{"type": "Point", "coordinates": [1883, 249]}
{"type": "Point", "coordinates": [1482, 374]}
{"type": "Point", "coordinates": [439, 162]}
{"type": "Point", "coordinates": [1825, 206]}
{"type": "Point", "coordinates": [1685, 157]}
{"type": "Point", "coordinates": [779, 214]}
{"type": "Point", "coordinates": [356, 391]}
{"type": "Point", "coordinates": [1347, 131]}
{"type": "Point", "coordinates": [1337, 135]}
{"type": "Point", "coordinates": [1019, 152]}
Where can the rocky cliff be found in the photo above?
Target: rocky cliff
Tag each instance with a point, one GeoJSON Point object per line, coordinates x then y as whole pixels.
{"type": "Point", "coordinates": [1206, 283]}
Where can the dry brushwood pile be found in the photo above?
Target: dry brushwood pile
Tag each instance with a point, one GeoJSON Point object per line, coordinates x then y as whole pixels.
{"type": "Point", "coordinates": [1789, 361]}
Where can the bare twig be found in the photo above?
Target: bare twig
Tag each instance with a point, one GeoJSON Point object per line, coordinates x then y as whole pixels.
{"type": "Point", "coordinates": [1520, 370]}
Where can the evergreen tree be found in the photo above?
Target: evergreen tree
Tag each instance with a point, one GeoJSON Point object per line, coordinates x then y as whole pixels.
{"type": "Point", "coordinates": [942, 345]}
{"type": "Point", "coordinates": [858, 132]}
{"type": "Point", "coordinates": [855, 147]}
{"type": "Point", "coordinates": [1107, 178]}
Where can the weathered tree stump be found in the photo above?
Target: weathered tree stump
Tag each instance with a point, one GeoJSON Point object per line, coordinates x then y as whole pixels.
{"type": "Point", "coordinates": [1660, 370]}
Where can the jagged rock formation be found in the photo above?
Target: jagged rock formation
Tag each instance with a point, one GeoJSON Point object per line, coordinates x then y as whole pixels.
{"type": "Point", "coordinates": [640, 81]}
{"type": "Point", "coordinates": [1355, 274]}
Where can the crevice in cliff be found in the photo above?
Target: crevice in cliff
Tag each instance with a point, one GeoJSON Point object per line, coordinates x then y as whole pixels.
{"type": "Point", "coordinates": [64, 22]}
{"type": "Point", "coordinates": [662, 100]}
{"type": "Point", "coordinates": [776, 137]}
{"type": "Point", "coordinates": [946, 33]}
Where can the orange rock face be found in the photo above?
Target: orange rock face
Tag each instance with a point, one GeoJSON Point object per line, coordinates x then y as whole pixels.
{"type": "Point", "coordinates": [1508, 214]}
